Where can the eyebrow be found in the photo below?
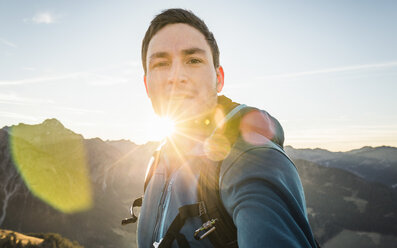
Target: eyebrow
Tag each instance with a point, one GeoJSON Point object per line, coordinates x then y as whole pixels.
{"type": "Point", "coordinates": [193, 50]}
{"type": "Point", "coordinates": [189, 51]}
{"type": "Point", "coordinates": [158, 55]}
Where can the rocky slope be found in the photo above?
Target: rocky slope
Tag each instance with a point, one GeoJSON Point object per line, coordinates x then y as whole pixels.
{"type": "Point", "coordinates": [338, 200]}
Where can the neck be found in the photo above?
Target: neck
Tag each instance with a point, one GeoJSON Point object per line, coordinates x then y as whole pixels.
{"type": "Point", "coordinates": [194, 132]}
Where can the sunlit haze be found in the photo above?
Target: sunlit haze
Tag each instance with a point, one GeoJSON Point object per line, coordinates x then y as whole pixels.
{"type": "Point", "coordinates": [161, 127]}
{"type": "Point", "coordinates": [327, 70]}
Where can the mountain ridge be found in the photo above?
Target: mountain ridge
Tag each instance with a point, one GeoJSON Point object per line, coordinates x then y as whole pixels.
{"type": "Point", "coordinates": [117, 169]}
{"type": "Point", "coordinates": [376, 164]}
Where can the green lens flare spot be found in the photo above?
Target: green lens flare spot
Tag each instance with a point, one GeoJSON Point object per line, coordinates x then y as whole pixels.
{"type": "Point", "coordinates": [51, 160]}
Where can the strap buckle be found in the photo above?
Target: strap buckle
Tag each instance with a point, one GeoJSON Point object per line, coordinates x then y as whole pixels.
{"type": "Point", "coordinates": [157, 244]}
{"type": "Point", "coordinates": [208, 227]}
{"type": "Point", "coordinates": [202, 208]}
{"type": "Point", "coordinates": [137, 203]}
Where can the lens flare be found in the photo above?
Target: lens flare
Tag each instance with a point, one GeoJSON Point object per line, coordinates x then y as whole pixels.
{"type": "Point", "coordinates": [161, 127]}
{"type": "Point", "coordinates": [217, 147]}
{"type": "Point", "coordinates": [51, 160]}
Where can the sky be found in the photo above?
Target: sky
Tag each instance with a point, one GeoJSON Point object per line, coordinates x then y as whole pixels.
{"type": "Point", "coordinates": [327, 70]}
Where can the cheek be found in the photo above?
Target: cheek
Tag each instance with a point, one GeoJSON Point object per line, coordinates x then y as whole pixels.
{"type": "Point", "coordinates": [207, 80]}
{"type": "Point", "coordinates": [208, 94]}
{"type": "Point", "coordinates": [154, 85]}
{"type": "Point", "coordinates": [210, 85]}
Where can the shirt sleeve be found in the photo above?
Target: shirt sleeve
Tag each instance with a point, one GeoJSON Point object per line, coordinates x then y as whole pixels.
{"type": "Point", "coordinates": [262, 192]}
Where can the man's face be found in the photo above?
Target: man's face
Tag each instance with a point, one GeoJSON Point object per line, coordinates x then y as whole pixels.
{"type": "Point", "coordinates": [181, 80]}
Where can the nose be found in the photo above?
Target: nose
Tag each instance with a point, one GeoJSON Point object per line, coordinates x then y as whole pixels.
{"type": "Point", "coordinates": [177, 73]}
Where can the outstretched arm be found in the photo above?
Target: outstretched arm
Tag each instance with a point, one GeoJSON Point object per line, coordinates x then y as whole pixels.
{"type": "Point", "coordinates": [262, 192]}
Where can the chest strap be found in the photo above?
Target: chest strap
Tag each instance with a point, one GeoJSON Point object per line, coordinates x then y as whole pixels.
{"type": "Point", "coordinates": [185, 212]}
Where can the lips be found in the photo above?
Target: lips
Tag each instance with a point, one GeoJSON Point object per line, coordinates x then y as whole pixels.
{"type": "Point", "coordinates": [181, 96]}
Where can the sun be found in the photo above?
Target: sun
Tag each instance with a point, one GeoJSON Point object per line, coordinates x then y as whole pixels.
{"type": "Point", "coordinates": [162, 127]}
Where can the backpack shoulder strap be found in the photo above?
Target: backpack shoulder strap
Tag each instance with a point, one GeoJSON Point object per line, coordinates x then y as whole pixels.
{"type": "Point", "coordinates": [152, 165]}
{"type": "Point", "coordinates": [218, 225]}
{"type": "Point", "coordinates": [225, 232]}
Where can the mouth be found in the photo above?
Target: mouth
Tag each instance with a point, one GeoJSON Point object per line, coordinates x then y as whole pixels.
{"type": "Point", "coordinates": [180, 96]}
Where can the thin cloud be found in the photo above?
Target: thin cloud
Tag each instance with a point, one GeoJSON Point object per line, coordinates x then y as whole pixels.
{"type": "Point", "coordinates": [79, 110]}
{"type": "Point", "coordinates": [8, 43]}
{"type": "Point", "coordinates": [94, 79]}
{"type": "Point", "coordinates": [18, 100]}
{"type": "Point", "coordinates": [332, 70]}
{"type": "Point", "coordinates": [17, 116]}
{"type": "Point", "coordinates": [104, 80]}
{"type": "Point", "coordinates": [39, 79]}
{"type": "Point", "coordinates": [44, 18]}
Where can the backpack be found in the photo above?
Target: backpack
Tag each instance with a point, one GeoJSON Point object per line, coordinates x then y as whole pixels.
{"type": "Point", "coordinates": [217, 225]}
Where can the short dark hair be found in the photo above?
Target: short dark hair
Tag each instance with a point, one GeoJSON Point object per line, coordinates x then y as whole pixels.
{"type": "Point", "coordinates": [173, 16]}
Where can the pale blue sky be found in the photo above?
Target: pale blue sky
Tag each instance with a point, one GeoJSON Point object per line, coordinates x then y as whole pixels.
{"type": "Point", "coordinates": [326, 70]}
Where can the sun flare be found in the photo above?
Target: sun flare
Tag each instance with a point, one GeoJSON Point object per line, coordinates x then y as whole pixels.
{"type": "Point", "coordinates": [162, 127]}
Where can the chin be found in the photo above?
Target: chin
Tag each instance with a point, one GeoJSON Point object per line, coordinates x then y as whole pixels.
{"type": "Point", "coordinates": [184, 110]}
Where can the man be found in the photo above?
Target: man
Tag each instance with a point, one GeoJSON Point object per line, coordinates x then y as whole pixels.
{"type": "Point", "coordinates": [259, 188]}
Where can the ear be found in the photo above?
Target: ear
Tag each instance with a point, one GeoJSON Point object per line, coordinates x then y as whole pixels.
{"type": "Point", "coordinates": [220, 77]}
{"type": "Point", "coordinates": [144, 80]}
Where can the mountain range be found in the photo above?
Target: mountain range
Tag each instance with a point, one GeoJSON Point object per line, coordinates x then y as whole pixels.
{"type": "Point", "coordinates": [376, 164]}
{"type": "Point", "coordinates": [351, 196]}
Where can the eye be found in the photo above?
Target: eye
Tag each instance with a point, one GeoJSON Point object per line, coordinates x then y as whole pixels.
{"type": "Point", "coordinates": [160, 64]}
{"type": "Point", "coordinates": [194, 61]}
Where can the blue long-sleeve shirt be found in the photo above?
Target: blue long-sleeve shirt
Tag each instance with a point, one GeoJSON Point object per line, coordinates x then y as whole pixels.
{"type": "Point", "coordinates": [259, 187]}
{"type": "Point", "coordinates": [262, 192]}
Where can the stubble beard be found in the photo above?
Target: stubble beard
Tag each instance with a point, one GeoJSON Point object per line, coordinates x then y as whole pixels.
{"type": "Point", "coordinates": [186, 110]}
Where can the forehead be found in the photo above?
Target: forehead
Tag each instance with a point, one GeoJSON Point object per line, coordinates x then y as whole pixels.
{"type": "Point", "coordinates": [176, 37]}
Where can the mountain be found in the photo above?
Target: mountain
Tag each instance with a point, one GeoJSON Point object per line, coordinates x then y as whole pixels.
{"type": "Point", "coordinates": [7, 236]}
{"type": "Point", "coordinates": [382, 153]}
{"type": "Point", "coordinates": [376, 164]}
{"type": "Point", "coordinates": [10, 239]}
{"type": "Point", "coordinates": [339, 201]}
{"type": "Point", "coordinates": [44, 168]}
